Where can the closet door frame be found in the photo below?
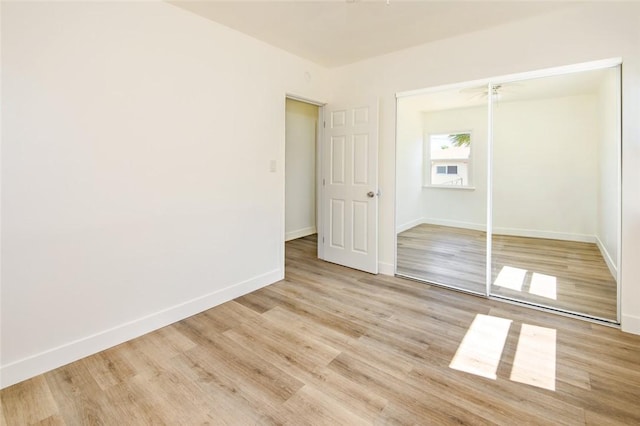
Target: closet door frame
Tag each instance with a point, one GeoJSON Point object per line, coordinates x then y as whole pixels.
{"type": "Point", "coordinates": [490, 83]}
{"type": "Point", "coordinates": [552, 72]}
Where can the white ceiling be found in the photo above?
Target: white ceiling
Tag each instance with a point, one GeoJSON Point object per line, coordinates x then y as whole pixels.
{"type": "Point", "coordinates": [334, 33]}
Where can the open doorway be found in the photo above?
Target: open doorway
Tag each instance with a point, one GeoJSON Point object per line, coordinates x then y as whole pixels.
{"type": "Point", "coordinates": [331, 159]}
{"type": "Point", "coordinates": [301, 170]}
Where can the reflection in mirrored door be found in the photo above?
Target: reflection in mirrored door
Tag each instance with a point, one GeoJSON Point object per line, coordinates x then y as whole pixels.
{"type": "Point", "coordinates": [556, 192]}
{"type": "Point", "coordinates": [441, 188]}
{"type": "Point", "coordinates": [532, 162]}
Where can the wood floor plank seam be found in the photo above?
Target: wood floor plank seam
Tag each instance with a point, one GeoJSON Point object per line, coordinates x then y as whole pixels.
{"type": "Point", "coordinates": [330, 345]}
{"type": "Point", "coordinates": [456, 257]}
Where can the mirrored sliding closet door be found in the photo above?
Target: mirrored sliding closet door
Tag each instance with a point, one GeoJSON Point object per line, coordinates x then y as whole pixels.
{"type": "Point", "coordinates": [442, 188]}
{"type": "Point", "coordinates": [556, 192]}
{"type": "Point", "coordinates": [534, 163]}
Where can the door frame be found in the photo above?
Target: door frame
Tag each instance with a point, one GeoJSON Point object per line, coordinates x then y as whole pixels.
{"type": "Point", "coordinates": [319, 173]}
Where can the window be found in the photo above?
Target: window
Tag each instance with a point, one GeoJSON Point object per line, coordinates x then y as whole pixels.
{"type": "Point", "coordinates": [447, 159]}
{"type": "Point", "coordinates": [447, 170]}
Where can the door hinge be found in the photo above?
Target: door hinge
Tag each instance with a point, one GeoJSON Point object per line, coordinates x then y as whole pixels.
{"type": "Point", "coordinates": [324, 124]}
{"type": "Point", "coordinates": [323, 182]}
{"type": "Point", "coordinates": [322, 239]}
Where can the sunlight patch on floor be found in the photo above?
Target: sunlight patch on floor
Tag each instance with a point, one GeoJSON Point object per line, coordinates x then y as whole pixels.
{"type": "Point", "coordinates": [482, 346]}
{"type": "Point", "coordinates": [481, 350]}
{"type": "Point", "coordinates": [511, 278]}
{"type": "Point", "coordinates": [543, 285]}
{"type": "Point", "coordinates": [515, 278]}
{"type": "Point", "coordinates": [535, 360]}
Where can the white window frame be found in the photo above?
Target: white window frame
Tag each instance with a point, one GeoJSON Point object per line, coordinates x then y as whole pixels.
{"type": "Point", "coordinates": [446, 169]}
{"type": "Point", "coordinates": [427, 166]}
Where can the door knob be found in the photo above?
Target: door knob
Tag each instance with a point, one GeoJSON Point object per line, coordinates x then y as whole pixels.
{"type": "Point", "coordinates": [371, 194]}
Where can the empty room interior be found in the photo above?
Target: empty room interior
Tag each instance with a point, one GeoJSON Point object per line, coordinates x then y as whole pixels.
{"type": "Point", "coordinates": [325, 212]}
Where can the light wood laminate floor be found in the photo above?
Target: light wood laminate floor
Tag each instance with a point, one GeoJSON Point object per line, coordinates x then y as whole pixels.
{"type": "Point", "coordinates": [566, 275]}
{"type": "Point", "coordinates": [333, 346]}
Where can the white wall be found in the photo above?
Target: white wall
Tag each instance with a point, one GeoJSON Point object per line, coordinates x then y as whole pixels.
{"type": "Point", "coordinates": [136, 184]}
{"type": "Point", "coordinates": [575, 34]}
{"type": "Point", "coordinates": [608, 157]}
{"type": "Point", "coordinates": [300, 169]}
{"type": "Point", "coordinates": [555, 168]}
{"type": "Point", "coordinates": [545, 168]}
{"type": "Point", "coordinates": [546, 165]}
{"type": "Point", "coordinates": [409, 153]}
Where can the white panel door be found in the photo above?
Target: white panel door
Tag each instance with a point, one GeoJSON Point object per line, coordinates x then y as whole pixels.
{"type": "Point", "coordinates": [350, 186]}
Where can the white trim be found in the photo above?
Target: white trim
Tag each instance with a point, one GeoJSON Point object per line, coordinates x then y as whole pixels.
{"type": "Point", "coordinates": [489, 206]}
{"type": "Point", "coordinates": [630, 324]}
{"type": "Point", "coordinates": [305, 100]}
{"type": "Point", "coordinates": [565, 69]}
{"type": "Point", "coordinates": [508, 78]}
{"type": "Point", "coordinates": [516, 232]}
{"type": "Point", "coordinates": [547, 72]}
{"type": "Point", "coordinates": [442, 88]}
{"type": "Point", "coordinates": [409, 225]}
{"type": "Point", "coordinates": [319, 185]}
{"type": "Point", "coordinates": [386, 268]}
{"type": "Point", "coordinates": [31, 366]}
{"type": "Point", "coordinates": [455, 224]}
{"type": "Point", "coordinates": [456, 187]}
{"type": "Point", "coordinates": [552, 235]}
{"type": "Point", "coordinates": [570, 314]}
{"type": "Point", "coordinates": [619, 198]}
{"type": "Point", "coordinates": [319, 174]}
{"type": "Point", "coordinates": [292, 235]}
{"type": "Point", "coordinates": [607, 258]}
{"type": "Point", "coordinates": [395, 188]}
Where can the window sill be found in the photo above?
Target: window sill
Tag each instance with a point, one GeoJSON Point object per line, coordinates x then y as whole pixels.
{"type": "Point", "coordinates": [455, 187]}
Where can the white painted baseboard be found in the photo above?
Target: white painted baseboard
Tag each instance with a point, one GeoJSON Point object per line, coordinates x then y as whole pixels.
{"type": "Point", "coordinates": [518, 232]}
{"type": "Point", "coordinates": [454, 224]}
{"type": "Point", "coordinates": [409, 225]}
{"type": "Point", "coordinates": [56, 357]}
{"type": "Point", "coordinates": [607, 258]}
{"type": "Point", "coordinates": [386, 268]}
{"type": "Point", "coordinates": [552, 235]}
{"type": "Point", "coordinates": [630, 324]}
{"type": "Point", "coordinates": [292, 235]}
